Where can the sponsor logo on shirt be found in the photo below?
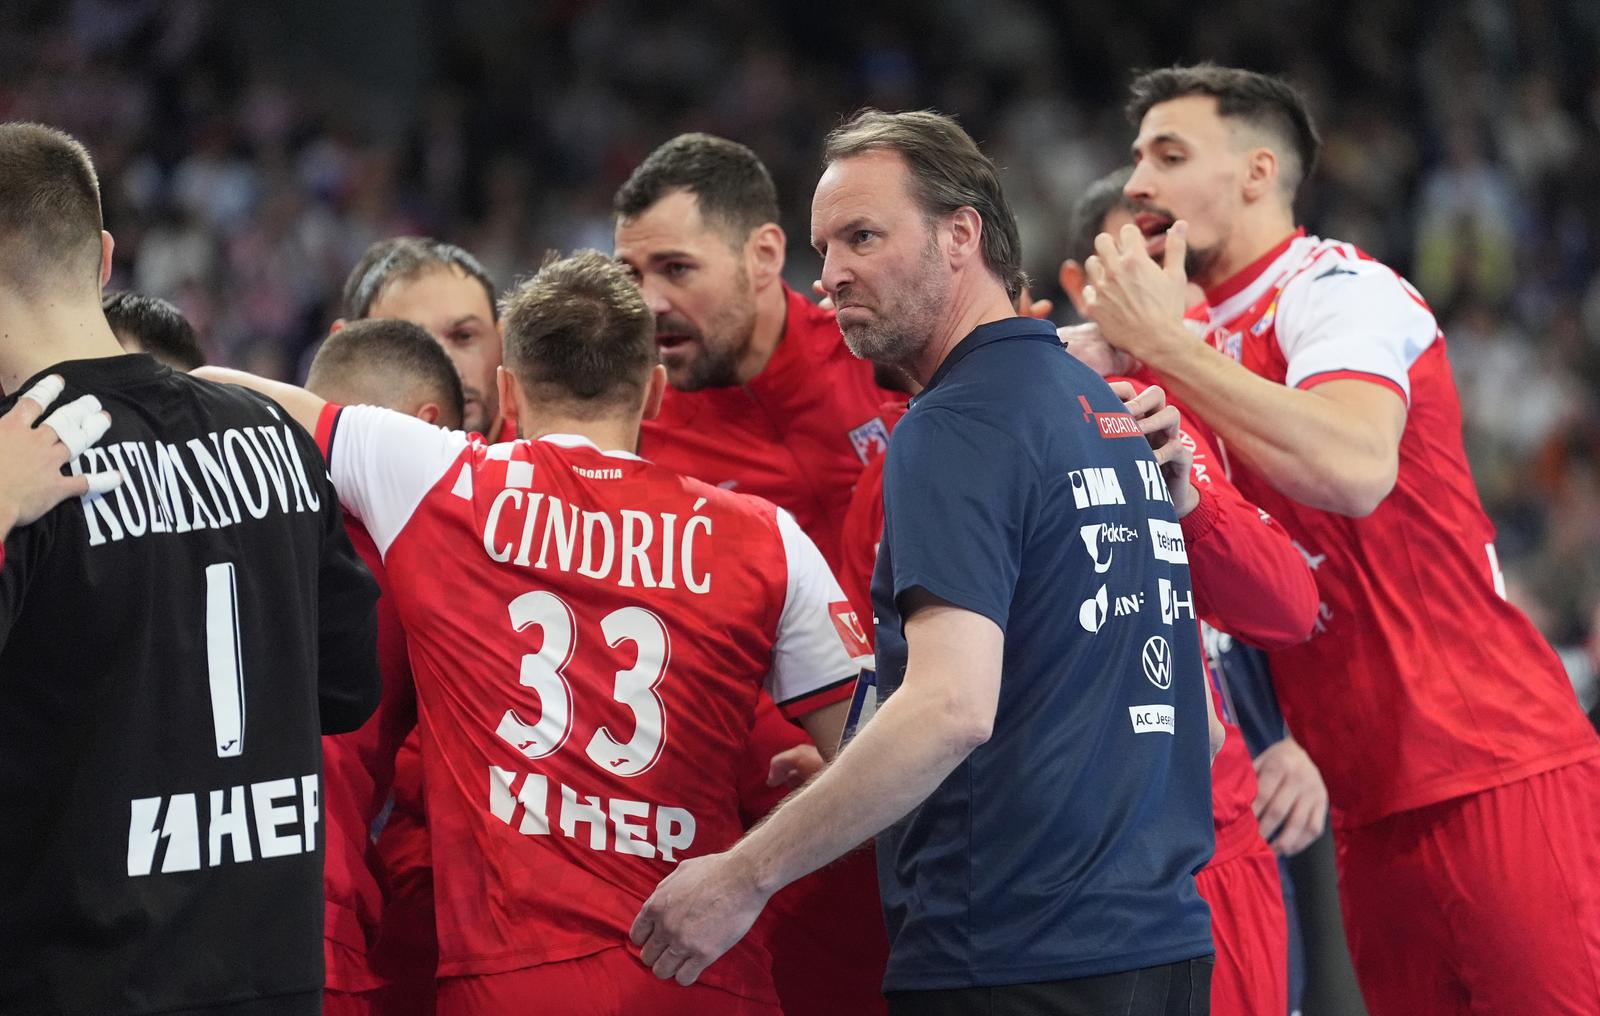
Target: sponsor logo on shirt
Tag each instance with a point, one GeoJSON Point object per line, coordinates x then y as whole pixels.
{"type": "Point", "coordinates": [1095, 486]}
{"type": "Point", "coordinates": [1176, 603]}
{"type": "Point", "coordinates": [1155, 485]}
{"type": "Point", "coordinates": [1166, 542]}
{"type": "Point", "coordinates": [258, 821]}
{"type": "Point", "coordinates": [849, 628]}
{"type": "Point", "coordinates": [870, 440]}
{"type": "Point", "coordinates": [523, 801]}
{"type": "Point", "coordinates": [1100, 540]}
{"type": "Point", "coordinates": [1110, 424]}
{"type": "Point", "coordinates": [1096, 609]}
{"type": "Point", "coordinates": [1156, 656]}
{"type": "Point", "coordinates": [1153, 719]}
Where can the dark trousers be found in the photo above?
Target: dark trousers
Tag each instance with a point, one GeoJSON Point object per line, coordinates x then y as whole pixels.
{"type": "Point", "coordinates": [1175, 989]}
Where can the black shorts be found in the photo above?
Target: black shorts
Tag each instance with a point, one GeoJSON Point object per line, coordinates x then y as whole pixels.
{"type": "Point", "coordinates": [1174, 989]}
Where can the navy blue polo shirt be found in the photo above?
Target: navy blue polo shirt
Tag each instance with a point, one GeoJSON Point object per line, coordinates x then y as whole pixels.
{"type": "Point", "coordinates": [1066, 846]}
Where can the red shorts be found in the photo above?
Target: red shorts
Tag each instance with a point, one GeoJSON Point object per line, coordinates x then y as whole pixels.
{"type": "Point", "coordinates": [1488, 903]}
{"type": "Point", "coordinates": [609, 983]}
{"type": "Point", "coordinates": [1250, 930]}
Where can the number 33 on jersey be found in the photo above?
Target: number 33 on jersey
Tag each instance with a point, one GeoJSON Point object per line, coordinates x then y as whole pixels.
{"type": "Point", "coordinates": [588, 633]}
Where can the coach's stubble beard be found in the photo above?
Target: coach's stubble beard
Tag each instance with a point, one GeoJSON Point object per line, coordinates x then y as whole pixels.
{"type": "Point", "coordinates": [905, 323]}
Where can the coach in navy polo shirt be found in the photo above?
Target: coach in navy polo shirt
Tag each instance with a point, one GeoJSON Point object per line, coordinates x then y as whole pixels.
{"type": "Point", "coordinates": [1037, 774]}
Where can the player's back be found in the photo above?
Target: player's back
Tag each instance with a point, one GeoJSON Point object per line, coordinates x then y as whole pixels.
{"type": "Point", "coordinates": [159, 710]}
{"type": "Point", "coordinates": [588, 633]}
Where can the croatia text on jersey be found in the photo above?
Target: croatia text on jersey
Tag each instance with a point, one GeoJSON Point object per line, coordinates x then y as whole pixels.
{"type": "Point", "coordinates": [204, 483]}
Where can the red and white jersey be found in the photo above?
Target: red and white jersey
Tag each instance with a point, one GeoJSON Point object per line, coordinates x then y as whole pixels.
{"type": "Point", "coordinates": [588, 632]}
{"type": "Point", "coordinates": [1420, 682]}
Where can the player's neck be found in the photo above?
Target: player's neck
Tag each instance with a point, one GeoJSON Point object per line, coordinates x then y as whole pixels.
{"type": "Point", "coordinates": [39, 332]}
{"type": "Point", "coordinates": [609, 435]}
{"type": "Point", "coordinates": [1253, 236]}
{"type": "Point", "coordinates": [975, 300]}
{"type": "Point", "coordinates": [772, 317]}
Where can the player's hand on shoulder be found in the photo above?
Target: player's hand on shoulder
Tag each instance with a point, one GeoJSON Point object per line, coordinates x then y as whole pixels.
{"type": "Point", "coordinates": [1162, 426]}
{"type": "Point", "coordinates": [696, 914]}
{"type": "Point", "coordinates": [1091, 349]}
{"type": "Point", "coordinates": [31, 456]}
{"type": "Point", "coordinates": [1291, 800]}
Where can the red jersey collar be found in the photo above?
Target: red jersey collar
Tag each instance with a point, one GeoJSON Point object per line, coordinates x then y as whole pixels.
{"type": "Point", "coordinates": [1235, 283]}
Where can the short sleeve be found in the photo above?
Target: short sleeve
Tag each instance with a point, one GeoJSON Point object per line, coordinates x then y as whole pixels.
{"type": "Point", "coordinates": [821, 646]}
{"type": "Point", "coordinates": [1347, 317]}
{"type": "Point", "coordinates": [955, 497]}
{"type": "Point", "coordinates": [383, 463]}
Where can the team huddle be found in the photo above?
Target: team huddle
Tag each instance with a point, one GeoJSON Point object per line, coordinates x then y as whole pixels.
{"type": "Point", "coordinates": [649, 637]}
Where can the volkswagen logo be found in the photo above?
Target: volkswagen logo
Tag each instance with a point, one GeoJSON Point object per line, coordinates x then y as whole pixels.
{"type": "Point", "coordinates": [1157, 657]}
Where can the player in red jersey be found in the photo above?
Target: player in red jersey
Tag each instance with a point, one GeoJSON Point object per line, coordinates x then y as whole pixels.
{"type": "Point", "coordinates": [1450, 738]}
{"type": "Point", "coordinates": [582, 744]}
{"type": "Point", "coordinates": [446, 291]}
{"type": "Point", "coordinates": [764, 398]}
{"type": "Point", "coordinates": [379, 362]}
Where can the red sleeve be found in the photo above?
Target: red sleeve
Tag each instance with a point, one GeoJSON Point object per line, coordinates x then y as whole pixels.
{"type": "Point", "coordinates": [858, 542]}
{"type": "Point", "coordinates": [327, 420]}
{"type": "Point", "coordinates": [1249, 580]}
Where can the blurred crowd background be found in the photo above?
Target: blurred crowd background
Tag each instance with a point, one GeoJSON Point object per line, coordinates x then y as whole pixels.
{"type": "Point", "coordinates": [249, 152]}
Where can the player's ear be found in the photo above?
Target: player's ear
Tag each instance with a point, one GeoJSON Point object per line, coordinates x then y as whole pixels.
{"type": "Point", "coordinates": [338, 325]}
{"type": "Point", "coordinates": [654, 389]}
{"type": "Point", "coordinates": [764, 250]}
{"type": "Point", "coordinates": [1072, 279]}
{"type": "Point", "coordinates": [107, 245]}
{"type": "Point", "coordinates": [1261, 173]}
{"type": "Point", "coordinates": [429, 412]}
{"type": "Point", "coordinates": [510, 391]}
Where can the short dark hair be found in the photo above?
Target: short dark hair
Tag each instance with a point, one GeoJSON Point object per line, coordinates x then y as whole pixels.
{"type": "Point", "coordinates": [49, 210]}
{"type": "Point", "coordinates": [948, 171]}
{"type": "Point", "coordinates": [1261, 100]}
{"type": "Point", "coordinates": [578, 332]}
{"type": "Point", "coordinates": [386, 362]}
{"type": "Point", "coordinates": [157, 326]}
{"type": "Point", "coordinates": [406, 257]}
{"type": "Point", "coordinates": [1090, 210]}
{"type": "Point", "coordinates": [731, 187]}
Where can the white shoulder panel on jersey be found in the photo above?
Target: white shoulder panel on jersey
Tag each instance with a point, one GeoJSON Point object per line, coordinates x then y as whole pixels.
{"type": "Point", "coordinates": [1348, 313]}
{"type": "Point", "coordinates": [811, 652]}
{"type": "Point", "coordinates": [383, 463]}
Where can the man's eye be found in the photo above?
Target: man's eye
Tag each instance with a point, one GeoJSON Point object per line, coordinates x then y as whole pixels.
{"type": "Point", "coordinates": [1172, 158]}
{"type": "Point", "coordinates": [861, 236]}
{"type": "Point", "coordinates": [461, 337]}
{"type": "Point", "coordinates": [675, 270]}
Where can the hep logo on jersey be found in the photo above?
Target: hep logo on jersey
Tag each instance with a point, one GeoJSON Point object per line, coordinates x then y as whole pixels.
{"type": "Point", "coordinates": [849, 628]}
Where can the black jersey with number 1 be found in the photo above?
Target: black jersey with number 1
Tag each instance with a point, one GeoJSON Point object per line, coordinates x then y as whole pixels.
{"type": "Point", "coordinates": [169, 656]}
